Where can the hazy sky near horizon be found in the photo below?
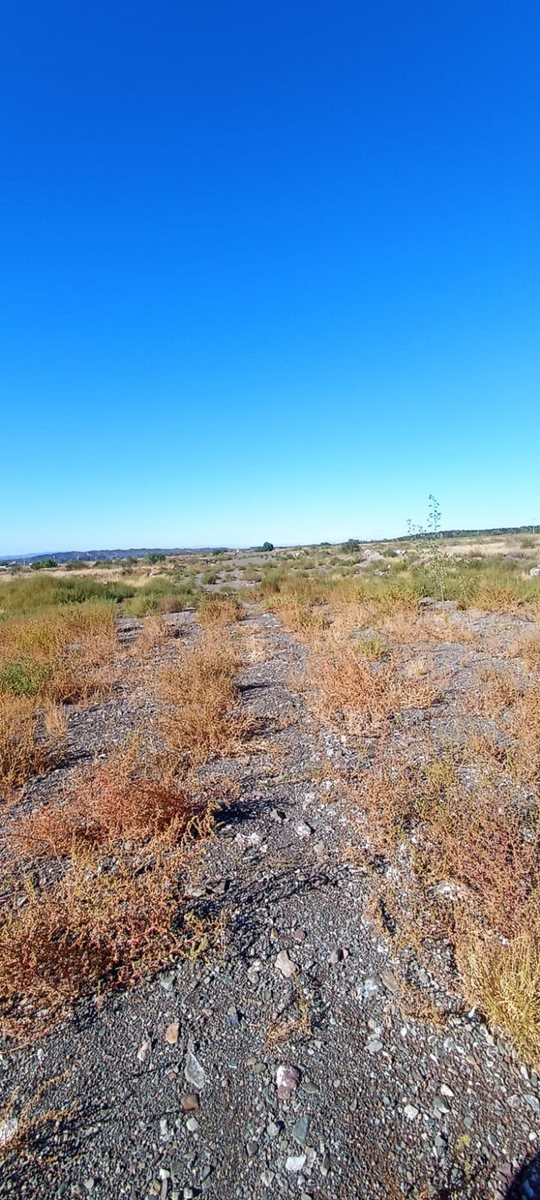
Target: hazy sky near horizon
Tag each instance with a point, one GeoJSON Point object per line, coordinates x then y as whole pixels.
{"type": "Point", "coordinates": [267, 271]}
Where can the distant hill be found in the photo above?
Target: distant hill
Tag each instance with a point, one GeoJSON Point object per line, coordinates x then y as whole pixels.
{"type": "Point", "coordinates": [457, 533]}
{"type": "Point", "coordinates": [64, 556]}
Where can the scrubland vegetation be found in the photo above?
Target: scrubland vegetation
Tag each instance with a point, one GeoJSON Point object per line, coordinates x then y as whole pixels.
{"type": "Point", "coordinates": [95, 873]}
{"type": "Point", "coordinates": [446, 805]}
{"type": "Point", "coordinates": [442, 790]}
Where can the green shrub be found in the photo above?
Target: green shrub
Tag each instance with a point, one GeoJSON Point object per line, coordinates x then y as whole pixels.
{"type": "Point", "coordinates": [23, 679]}
{"type": "Point", "coordinates": [41, 564]}
{"type": "Point", "coordinates": [32, 593]}
{"type": "Point", "coordinates": [149, 599]}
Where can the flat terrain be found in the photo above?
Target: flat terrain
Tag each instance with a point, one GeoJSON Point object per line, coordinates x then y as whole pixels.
{"type": "Point", "coordinates": [316, 1014]}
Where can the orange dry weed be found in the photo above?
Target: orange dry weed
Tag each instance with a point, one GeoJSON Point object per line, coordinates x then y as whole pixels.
{"type": "Point", "coordinates": [107, 805]}
{"type": "Point", "coordinates": [360, 691]}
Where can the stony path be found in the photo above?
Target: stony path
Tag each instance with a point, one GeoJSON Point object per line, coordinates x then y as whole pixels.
{"type": "Point", "coordinates": [370, 1103]}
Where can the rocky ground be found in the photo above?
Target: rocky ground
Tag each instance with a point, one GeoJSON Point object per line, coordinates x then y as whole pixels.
{"type": "Point", "coordinates": [286, 1063]}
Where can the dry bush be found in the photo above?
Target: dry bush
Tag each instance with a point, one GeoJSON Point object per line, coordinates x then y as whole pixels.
{"type": "Point", "coordinates": [503, 980]}
{"type": "Point", "coordinates": [302, 616]}
{"type": "Point", "coordinates": [300, 606]}
{"type": "Point", "coordinates": [468, 850]}
{"type": "Point", "coordinates": [353, 688]}
{"type": "Point", "coordinates": [152, 635]}
{"type": "Point", "coordinates": [387, 803]}
{"type": "Point", "coordinates": [255, 644]}
{"type": "Point", "coordinates": [508, 596]}
{"type": "Point", "coordinates": [479, 838]}
{"type": "Point", "coordinates": [497, 693]}
{"type": "Point", "coordinates": [343, 619]}
{"type": "Point", "coordinates": [55, 720]}
{"type": "Point", "coordinates": [109, 804]}
{"type": "Point", "coordinates": [516, 751]}
{"type": "Point", "coordinates": [470, 833]}
{"type": "Point", "coordinates": [220, 610]}
{"type": "Point", "coordinates": [524, 725]}
{"type": "Point", "coordinates": [203, 716]}
{"type": "Point", "coordinates": [406, 626]}
{"type": "Point", "coordinates": [104, 923]}
{"type": "Point", "coordinates": [528, 649]}
{"type": "Point", "coordinates": [23, 752]}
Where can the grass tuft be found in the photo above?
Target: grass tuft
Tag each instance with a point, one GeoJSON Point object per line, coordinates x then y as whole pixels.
{"type": "Point", "coordinates": [203, 717]}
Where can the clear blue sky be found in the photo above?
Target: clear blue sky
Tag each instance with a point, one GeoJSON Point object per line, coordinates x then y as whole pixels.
{"type": "Point", "coordinates": [267, 270]}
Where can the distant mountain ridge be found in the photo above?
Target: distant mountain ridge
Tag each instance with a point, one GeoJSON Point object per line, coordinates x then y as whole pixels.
{"type": "Point", "coordinates": [62, 556]}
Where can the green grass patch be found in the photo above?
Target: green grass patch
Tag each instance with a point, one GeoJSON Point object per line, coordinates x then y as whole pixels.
{"type": "Point", "coordinates": [160, 596]}
{"type": "Point", "coordinates": [30, 594]}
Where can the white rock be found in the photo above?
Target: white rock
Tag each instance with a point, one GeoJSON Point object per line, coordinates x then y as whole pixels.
{"type": "Point", "coordinates": [295, 1162]}
{"type": "Point", "coordinates": [410, 1112]}
{"type": "Point", "coordinates": [8, 1129]}
{"type": "Point", "coordinates": [144, 1051]}
{"type": "Point", "coordinates": [287, 1080]}
{"type": "Point", "coordinates": [193, 1071]}
{"type": "Point", "coordinates": [286, 965]}
{"type": "Point", "coordinates": [368, 988]}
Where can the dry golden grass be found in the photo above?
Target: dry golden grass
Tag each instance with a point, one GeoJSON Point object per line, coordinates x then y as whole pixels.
{"type": "Point", "coordinates": [291, 1029]}
{"type": "Point", "coordinates": [471, 836]}
{"type": "Point", "coordinates": [406, 626]}
{"type": "Point", "coordinates": [503, 979]}
{"type": "Point", "coordinates": [46, 659]}
{"type": "Point", "coordinates": [23, 752]}
{"type": "Point", "coordinates": [97, 892]}
{"type": "Point", "coordinates": [203, 717]}
{"type": "Point", "coordinates": [516, 709]}
{"type": "Point", "coordinates": [529, 650]}
{"type": "Point", "coordinates": [55, 720]}
{"type": "Point", "coordinates": [221, 609]}
{"type": "Point", "coordinates": [64, 654]}
{"type": "Point", "coordinates": [497, 692]}
{"type": "Point", "coordinates": [479, 839]}
{"type": "Point", "coordinates": [459, 834]}
{"type": "Point", "coordinates": [300, 607]}
{"type": "Point", "coordinates": [153, 634]}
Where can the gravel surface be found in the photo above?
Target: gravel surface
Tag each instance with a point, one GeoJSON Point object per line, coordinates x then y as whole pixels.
{"type": "Point", "coordinates": [284, 1064]}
